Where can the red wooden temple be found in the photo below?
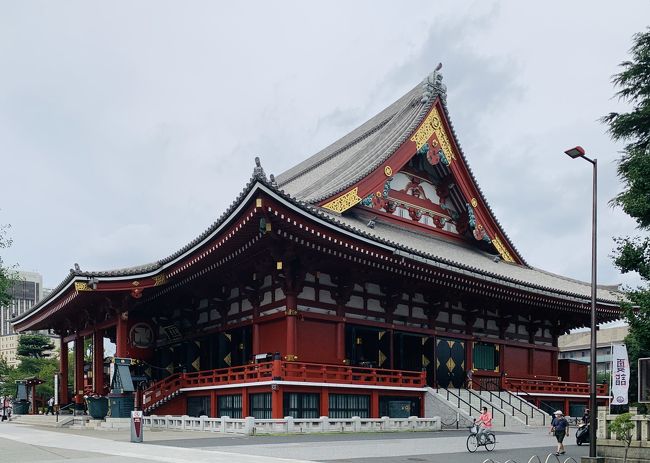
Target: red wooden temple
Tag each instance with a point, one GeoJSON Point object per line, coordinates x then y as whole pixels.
{"type": "Point", "coordinates": [353, 281]}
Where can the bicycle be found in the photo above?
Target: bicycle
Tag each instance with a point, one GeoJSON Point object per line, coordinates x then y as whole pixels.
{"type": "Point", "coordinates": [474, 441]}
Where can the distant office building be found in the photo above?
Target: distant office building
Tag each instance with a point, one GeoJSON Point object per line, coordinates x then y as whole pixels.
{"type": "Point", "coordinates": [26, 291]}
{"type": "Point", "coordinates": [577, 346]}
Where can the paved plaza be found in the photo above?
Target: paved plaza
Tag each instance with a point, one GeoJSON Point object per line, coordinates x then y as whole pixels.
{"type": "Point", "coordinates": [22, 443]}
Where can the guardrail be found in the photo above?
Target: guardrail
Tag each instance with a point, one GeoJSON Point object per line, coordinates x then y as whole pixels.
{"type": "Point", "coordinates": [279, 370]}
{"type": "Point", "coordinates": [289, 425]}
{"type": "Point", "coordinates": [551, 387]}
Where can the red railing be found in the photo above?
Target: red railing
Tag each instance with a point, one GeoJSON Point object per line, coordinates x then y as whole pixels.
{"type": "Point", "coordinates": [551, 387]}
{"type": "Point", "coordinates": [316, 372]}
{"type": "Point", "coordinates": [282, 371]}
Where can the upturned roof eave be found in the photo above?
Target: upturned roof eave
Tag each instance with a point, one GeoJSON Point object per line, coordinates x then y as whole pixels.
{"type": "Point", "coordinates": [314, 213]}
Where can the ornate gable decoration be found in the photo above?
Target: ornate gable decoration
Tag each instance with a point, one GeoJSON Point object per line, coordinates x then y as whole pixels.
{"type": "Point", "coordinates": [344, 202]}
{"type": "Point", "coordinates": [440, 145]}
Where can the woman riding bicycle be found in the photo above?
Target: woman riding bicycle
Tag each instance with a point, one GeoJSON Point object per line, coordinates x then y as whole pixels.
{"type": "Point", "coordinates": [484, 424]}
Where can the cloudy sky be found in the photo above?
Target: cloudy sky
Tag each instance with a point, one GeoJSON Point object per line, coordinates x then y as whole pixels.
{"type": "Point", "coordinates": [126, 128]}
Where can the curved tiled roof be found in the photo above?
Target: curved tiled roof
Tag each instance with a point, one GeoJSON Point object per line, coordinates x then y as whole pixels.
{"type": "Point", "coordinates": [351, 158]}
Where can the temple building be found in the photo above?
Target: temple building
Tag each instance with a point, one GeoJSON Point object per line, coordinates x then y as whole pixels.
{"type": "Point", "coordinates": [348, 285]}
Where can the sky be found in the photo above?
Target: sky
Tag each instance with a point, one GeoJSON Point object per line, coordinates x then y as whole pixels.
{"type": "Point", "coordinates": [127, 128]}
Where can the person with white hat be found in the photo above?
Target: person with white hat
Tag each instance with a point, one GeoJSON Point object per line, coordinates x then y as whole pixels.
{"type": "Point", "coordinates": [559, 428]}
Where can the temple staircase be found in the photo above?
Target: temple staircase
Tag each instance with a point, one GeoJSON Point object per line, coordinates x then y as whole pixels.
{"type": "Point", "coordinates": [49, 420]}
{"type": "Point", "coordinates": [509, 411]}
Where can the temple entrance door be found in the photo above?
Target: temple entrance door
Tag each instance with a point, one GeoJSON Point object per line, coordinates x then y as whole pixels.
{"type": "Point", "coordinates": [428, 357]}
{"type": "Point", "coordinates": [234, 347]}
{"type": "Point", "coordinates": [367, 347]}
{"type": "Point", "coordinates": [409, 351]}
{"type": "Point", "coordinates": [450, 362]}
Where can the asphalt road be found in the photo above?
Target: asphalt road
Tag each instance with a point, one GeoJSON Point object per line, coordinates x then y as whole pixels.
{"type": "Point", "coordinates": [28, 444]}
{"type": "Point", "coordinates": [443, 447]}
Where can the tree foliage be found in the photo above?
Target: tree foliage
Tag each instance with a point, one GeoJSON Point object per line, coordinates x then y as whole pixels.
{"type": "Point", "coordinates": [7, 275]}
{"type": "Point", "coordinates": [622, 426]}
{"type": "Point", "coordinates": [632, 254]}
{"type": "Point", "coordinates": [34, 345]}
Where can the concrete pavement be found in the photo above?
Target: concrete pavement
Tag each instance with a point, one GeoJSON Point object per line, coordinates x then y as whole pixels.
{"type": "Point", "coordinates": [19, 443]}
{"type": "Point", "coordinates": [30, 444]}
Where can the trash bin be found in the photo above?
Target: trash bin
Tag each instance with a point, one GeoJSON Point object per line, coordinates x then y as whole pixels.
{"type": "Point", "coordinates": [97, 407]}
{"type": "Point", "coordinates": [21, 407]}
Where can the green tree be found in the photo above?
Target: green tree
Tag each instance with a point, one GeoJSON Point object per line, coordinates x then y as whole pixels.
{"type": "Point", "coordinates": [632, 254]}
{"type": "Point", "coordinates": [622, 426]}
{"type": "Point", "coordinates": [33, 345]}
{"type": "Point", "coordinates": [7, 275]}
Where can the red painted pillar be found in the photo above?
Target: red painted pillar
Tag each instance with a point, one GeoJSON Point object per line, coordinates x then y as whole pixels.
{"type": "Point", "coordinates": [63, 380]}
{"type": "Point", "coordinates": [98, 362]}
{"type": "Point", "coordinates": [391, 349]}
{"type": "Point", "coordinates": [276, 403]}
{"type": "Point", "coordinates": [374, 404]}
{"type": "Point", "coordinates": [291, 313]}
{"type": "Point", "coordinates": [245, 401]}
{"type": "Point", "coordinates": [531, 360]}
{"type": "Point", "coordinates": [340, 341]}
{"type": "Point", "coordinates": [213, 404]}
{"type": "Point", "coordinates": [324, 402]}
{"type": "Point", "coordinates": [79, 366]}
{"type": "Point", "coordinates": [256, 338]}
{"type": "Point", "coordinates": [121, 336]}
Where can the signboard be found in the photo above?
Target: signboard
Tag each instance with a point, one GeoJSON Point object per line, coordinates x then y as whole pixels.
{"type": "Point", "coordinates": [644, 380]}
{"type": "Point", "coordinates": [620, 374]}
{"type": "Point", "coordinates": [136, 426]}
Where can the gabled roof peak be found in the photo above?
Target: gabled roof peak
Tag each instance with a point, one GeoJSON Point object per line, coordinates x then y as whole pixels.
{"type": "Point", "coordinates": [432, 86]}
{"type": "Point", "coordinates": [258, 170]}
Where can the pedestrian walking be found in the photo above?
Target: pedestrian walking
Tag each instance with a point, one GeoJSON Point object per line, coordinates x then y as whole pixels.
{"type": "Point", "coordinates": [50, 406]}
{"type": "Point", "coordinates": [559, 428]}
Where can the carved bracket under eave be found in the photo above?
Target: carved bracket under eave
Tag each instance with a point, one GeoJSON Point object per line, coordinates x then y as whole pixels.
{"type": "Point", "coordinates": [345, 201]}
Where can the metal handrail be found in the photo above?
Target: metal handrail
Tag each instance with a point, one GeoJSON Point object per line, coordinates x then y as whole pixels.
{"type": "Point", "coordinates": [502, 401]}
{"type": "Point", "coordinates": [526, 394]}
{"type": "Point", "coordinates": [472, 407]}
{"type": "Point", "coordinates": [514, 396]}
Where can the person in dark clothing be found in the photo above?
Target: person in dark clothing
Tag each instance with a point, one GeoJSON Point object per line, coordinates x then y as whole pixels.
{"type": "Point", "coordinates": [585, 416]}
{"type": "Point", "coordinates": [559, 428]}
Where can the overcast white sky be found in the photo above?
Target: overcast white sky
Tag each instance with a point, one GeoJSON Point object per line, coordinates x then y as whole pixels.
{"type": "Point", "coordinates": [126, 128]}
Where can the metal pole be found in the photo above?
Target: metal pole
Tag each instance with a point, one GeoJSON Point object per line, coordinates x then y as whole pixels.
{"type": "Point", "coordinates": [593, 419]}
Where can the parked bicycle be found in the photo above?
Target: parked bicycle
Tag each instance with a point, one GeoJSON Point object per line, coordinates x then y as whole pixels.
{"type": "Point", "coordinates": [475, 440]}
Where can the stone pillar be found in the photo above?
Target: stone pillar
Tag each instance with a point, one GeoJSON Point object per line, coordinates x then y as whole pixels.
{"type": "Point", "coordinates": [63, 368]}
{"type": "Point", "coordinates": [98, 362]}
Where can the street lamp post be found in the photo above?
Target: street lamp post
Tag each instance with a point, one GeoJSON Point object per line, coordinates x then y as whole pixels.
{"type": "Point", "coordinates": [579, 152]}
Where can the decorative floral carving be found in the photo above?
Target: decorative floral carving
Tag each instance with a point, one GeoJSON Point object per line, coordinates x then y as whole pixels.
{"type": "Point", "coordinates": [345, 201]}
{"type": "Point", "coordinates": [503, 252]}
